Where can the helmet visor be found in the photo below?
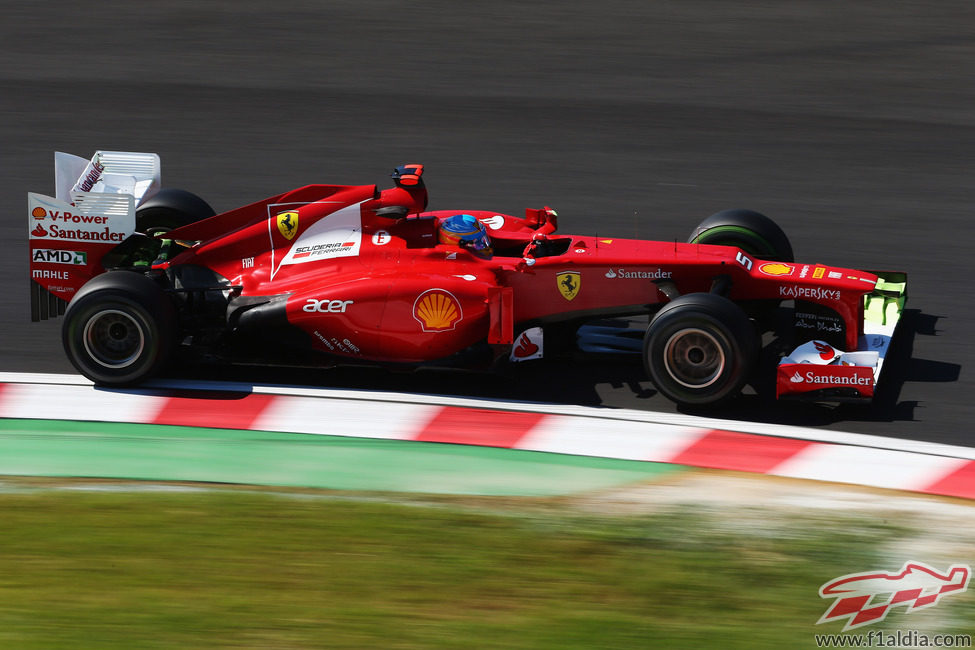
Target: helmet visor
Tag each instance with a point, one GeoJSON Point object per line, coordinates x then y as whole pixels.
{"type": "Point", "coordinates": [480, 245]}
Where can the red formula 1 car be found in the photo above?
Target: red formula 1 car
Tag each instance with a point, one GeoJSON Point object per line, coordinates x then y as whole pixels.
{"type": "Point", "coordinates": [334, 274]}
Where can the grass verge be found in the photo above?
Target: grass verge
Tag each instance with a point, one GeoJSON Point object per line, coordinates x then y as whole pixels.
{"type": "Point", "coordinates": [244, 568]}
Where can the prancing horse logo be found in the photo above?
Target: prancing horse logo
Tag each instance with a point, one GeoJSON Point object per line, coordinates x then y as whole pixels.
{"type": "Point", "coordinates": [568, 283]}
{"type": "Point", "coordinates": [288, 224]}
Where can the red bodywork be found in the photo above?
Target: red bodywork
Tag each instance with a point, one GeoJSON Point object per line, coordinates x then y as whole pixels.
{"type": "Point", "coordinates": [359, 274]}
{"type": "Point", "coordinates": [380, 288]}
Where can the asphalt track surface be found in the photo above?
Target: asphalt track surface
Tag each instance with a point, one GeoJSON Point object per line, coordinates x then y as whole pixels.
{"type": "Point", "coordinates": [851, 124]}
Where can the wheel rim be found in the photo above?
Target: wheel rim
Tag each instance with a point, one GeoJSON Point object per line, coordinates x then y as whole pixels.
{"type": "Point", "coordinates": [694, 358]}
{"type": "Point", "coordinates": [113, 339]}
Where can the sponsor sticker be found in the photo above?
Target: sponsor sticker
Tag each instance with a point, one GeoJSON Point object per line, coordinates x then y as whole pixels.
{"type": "Point", "coordinates": [66, 217]}
{"type": "Point", "coordinates": [815, 293]}
{"type": "Point", "coordinates": [568, 283]}
{"type": "Point", "coordinates": [826, 351]}
{"type": "Point", "coordinates": [528, 346]}
{"type": "Point", "coordinates": [76, 234]}
{"type": "Point", "coordinates": [776, 268]}
{"type": "Point", "coordinates": [818, 322]}
{"type": "Point", "coordinates": [623, 274]}
{"type": "Point", "coordinates": [381, 238]}
{"type": "Point", "coordinates": [818, 273]}
{"type": "Point", "coordinates": [288, 224]}
{"type": "Point", "coordinates": [346, 346]}
{"type": "Point", "coordinates": [336, 235]}
{"type": "Point", "coordinates": [437, 310]}
{"type": "Point", "coordinates": [99, 218]}
{"type": "Point", "coordinates": [326, 306]}
{"type": "Point", "coordinates": [321, 337]}
{"type": "Point", "coordinates": [50, 275]}
{"type": "Point", "coordinates": [826, 376]}
{"type": "Point", "coordinates": [59, 256]}
{"type": "Point", "coordinates": [494, 223]}
{"type": "Point", "coordinates": [90, 176]}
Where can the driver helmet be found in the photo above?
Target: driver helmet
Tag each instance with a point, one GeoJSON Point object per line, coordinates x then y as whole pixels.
{"type": "Point", "coordinates": [466, 231]}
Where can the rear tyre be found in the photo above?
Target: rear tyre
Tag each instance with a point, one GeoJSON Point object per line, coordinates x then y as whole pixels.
{"type": "Point", "coordinates": [120, 329]}
{"type": "Point", "coordinates": [700, 349]}
{"type": "Point", "coordinates": [750, 231]}
{"type": "Point", "coordinates": [169, 209]}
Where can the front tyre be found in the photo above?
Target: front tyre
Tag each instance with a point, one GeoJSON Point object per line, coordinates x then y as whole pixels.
{"type": "Point", "coordinates": [750, 231]}
{"type": "Point", "coordinates": [699, 350]}
{"type": "Point", "coordinates": [120, 329]}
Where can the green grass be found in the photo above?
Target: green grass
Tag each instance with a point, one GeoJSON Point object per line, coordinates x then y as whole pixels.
{"type": "Point", "coordinates": [234, 569]}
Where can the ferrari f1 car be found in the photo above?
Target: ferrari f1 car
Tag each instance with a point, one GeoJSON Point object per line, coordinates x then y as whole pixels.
{"type": "Point", "coordinates": [336, 274]}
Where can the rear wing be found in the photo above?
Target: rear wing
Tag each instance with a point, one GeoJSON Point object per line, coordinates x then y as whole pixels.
{"type": "Point", "coordinates": [92, 211]}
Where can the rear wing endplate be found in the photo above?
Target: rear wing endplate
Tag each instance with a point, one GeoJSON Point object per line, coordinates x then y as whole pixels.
{"type": "Point", "coordinates": [93, 211]}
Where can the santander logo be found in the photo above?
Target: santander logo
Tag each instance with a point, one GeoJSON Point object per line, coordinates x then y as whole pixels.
{"type": "Point", "coordinates": [495, 222]}
{"type": "Point", "coordinates": [826, 352]}
{"type": "Point", "coordinates": [530, 344]}
{"type": "Point", "coordinates": [815, 377]}
{"type": "Point", "coordinates": [525, 347]}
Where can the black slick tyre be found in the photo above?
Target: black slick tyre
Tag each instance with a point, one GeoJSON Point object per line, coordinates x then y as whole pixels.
{"type": "Point", "coordinates": [750, 231]}
{"type": "Point", "coordinates": [699, 350]}
{"type": "Point", "coordinates": [120, 329]}
{"type": "Point", "coordinates": [168, 209]}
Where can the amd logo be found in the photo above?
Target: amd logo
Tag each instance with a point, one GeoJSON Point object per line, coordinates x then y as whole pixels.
{"type": "Point", "coordinates": [327, 306]}
{"type": "Point", "coordinates": [58, 256]}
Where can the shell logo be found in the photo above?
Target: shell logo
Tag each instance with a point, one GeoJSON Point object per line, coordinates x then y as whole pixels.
{"type": "Point", "coordinates": [38, 213]}
{"type": "Point", "coordinates": [776, 268]}
{"type": "Point", "coordinates": [437, 310]}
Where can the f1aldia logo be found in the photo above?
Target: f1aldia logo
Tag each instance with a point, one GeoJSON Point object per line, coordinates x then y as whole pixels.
{"type": "Point", "coordinates": [866, 598]}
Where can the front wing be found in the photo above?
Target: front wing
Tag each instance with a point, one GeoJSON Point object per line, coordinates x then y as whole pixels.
{"type": "Point", "coordinates": [830, 374]}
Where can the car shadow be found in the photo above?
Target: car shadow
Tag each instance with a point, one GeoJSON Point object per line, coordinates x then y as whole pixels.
{"type": "Point", "coordinates": [620, 381]}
